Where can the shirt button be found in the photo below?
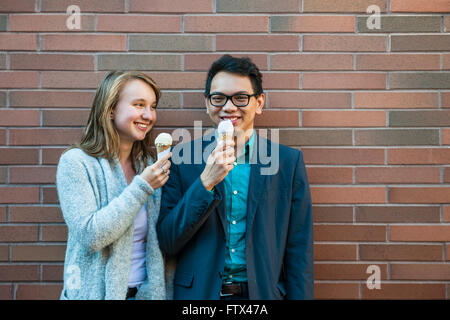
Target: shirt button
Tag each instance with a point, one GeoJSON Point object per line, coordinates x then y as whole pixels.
{"type": "Point", "coordinates": [231, 277]}
{"type": "Point", "coordinates": [233, 222]}
{"type": "Point", "coordinates": [235, 192]}
{"type": "Point", "coordinates": [232, 250]}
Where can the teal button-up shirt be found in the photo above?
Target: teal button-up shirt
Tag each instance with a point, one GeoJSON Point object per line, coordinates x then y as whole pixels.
{"type": "Point", "coordinates": [236, 191]}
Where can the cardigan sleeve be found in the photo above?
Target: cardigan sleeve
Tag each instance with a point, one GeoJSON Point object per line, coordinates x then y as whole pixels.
{"type": "Point", "coordinates": [91, 225]}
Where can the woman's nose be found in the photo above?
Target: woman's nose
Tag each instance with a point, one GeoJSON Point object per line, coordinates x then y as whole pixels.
{"type": "Point", "coordinates": [149, 113]}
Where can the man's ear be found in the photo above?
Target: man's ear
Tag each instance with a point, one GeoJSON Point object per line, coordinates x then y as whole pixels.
{"type": "Point", "coordinates": [206, 105]}
{"type": "Point", "coordinates": [260, 101]}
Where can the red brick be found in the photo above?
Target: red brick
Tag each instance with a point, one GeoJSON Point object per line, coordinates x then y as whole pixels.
{"type": "Point", "coordinates": [396, 100]}
{"type": "Point", "coordinates": [174, 6]}
{"type": "Point", "coordinates": [332, 214]}
{"type": "Point", "coordinates": [339, 252]}
{"type": "Point", "coordinates": [419, 195]}
{"type": "Point", "coordinates": [54, 233]}
{"type": "Point", "coordinates": [349, 233]}
{"type": "Point", "coordinates": [4, 255]}
{"type": "Point", "coordinates": [38, 252]}
{"type": "Point", "coordinates": [49, 195]}
{"type": "Point", "coordinates": [431, 233]}
{"type": "Point", "coordinates": [354, 81]}
{"type": "Point", "coordinates": [40, 175]}
{"type": "Point", "coordinates": [398, 62]}
{"type": "Point", "coordinates": [44, 22]}
{"type": "Point", "coordinates": [225, 24]}
{"type": "Point", "coordinates": [51, 155]}
{"type": "Point", "coordinates": [447, 175]}
{"type": "Point", "coordinates": [19, 156]}
{"type": "Point", "coordinates": [19, 273]}
{"type": "Point", "coordinates": [351, 43]}
{"type": "Point", "coordinates": [336, 290]}
{"type": "Point", "coordinates": [3, 219]}
{"type": "Point", "coordinates": [398, 175]}
{"type": "Point", "coordinates": [307, 100]}
{"type": "Point", "coordinates": [446, 99]}
{"type": "Point", "coordinates": [44, 136]}
{"type": "Point", "coordinates": [19, 79]}
{"type": "Point", "coordinates": [6, 292]}
{"type": "Point", "coordinates": [18, 233]}
{"type": "Point", "coordinates": [315, 23]}
{"type": "Point", "coordinates": [446, 136]}
{"type": "Point", "coordinates": [446, 57]}
{"type": "Point", "coordinates": [336, 156]}
{"type": "Point", "coordinates": [39, 214]}
{"type": "Point", "coordinates": [85, 5]}
{"type": "Point", "coordinates": [400, 252]}
{"type": "Point", "coordinates": [31, 61]}
{"type": "Point", "coordinates": [342, 5]}
{"type": "Point", "coordinates": [403, 291]}
{"type": "Point", "coordinates": [179, 80]}
{"type": "Point", "coordinates": [67, 118]}
{"type": "Point", "coordinates": [71, 79]}
{"type": "Point", "coordinates": [281, 80]}
{"type": "Point", "coordinates": [396, 214]}
{"type": "Point", "coordinates": [257, 43]}
{"type": "Point", "coordinates": [138, 23]}
{"type": "Point", "coordinates": [420, 6]}
{"type": "Point", "coordinates": [2, 137]}
{"type": "Point", "coordinates": [38, 291]}
{"type": "Point", "coordinates": [345, 271]}
{"type": "Point", "coordinates": [348, 195]}
{"type": "Point", "coordinates": [51, 99]}
{"type": "Point", "coordinates": [330, 175]}
{"type": "Point", "coordinates": [311, 61]}
{"type": "Point", "coordinates": [52, 272]}
{"type": "Point", "coordinates": [419, 156]}
{"type": "Point", "coordinates": [18, 6]}
{"type": "Point", "coordinates": [85, 42]}
{"type": "Point", "coordinates": [343, 119]}
{"type": "Point", "coordinates": [19, 118]}
{"type": "Point", "coordinates": [201, 62]}
{"type": "Point", "coordinates": [420, 271]}
{"type": "Point", "coordinates": [446, 218]}
{"type": "Point", "coordinates": [19, 195]}
{"type": "Point", "coordinates": [18, 41]}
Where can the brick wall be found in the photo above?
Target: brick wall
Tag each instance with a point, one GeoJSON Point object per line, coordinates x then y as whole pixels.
{"type": "Point", "coordinates": [369, 108]}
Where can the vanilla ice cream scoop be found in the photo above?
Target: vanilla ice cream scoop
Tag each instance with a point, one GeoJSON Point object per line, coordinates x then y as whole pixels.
{"type": "Point", "coordinates": [163, 142]}
{"type": "Point", "coordinates": [225, 130]}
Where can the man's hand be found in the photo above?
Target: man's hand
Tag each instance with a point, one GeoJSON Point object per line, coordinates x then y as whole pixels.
{"type": "Point", "coordinates": [219, 163]}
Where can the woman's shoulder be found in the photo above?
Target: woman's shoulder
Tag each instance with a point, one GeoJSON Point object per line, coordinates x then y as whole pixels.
{"type": "Point", "coordinates": [76, 154]}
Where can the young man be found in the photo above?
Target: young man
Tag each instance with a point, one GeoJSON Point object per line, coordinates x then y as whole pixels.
{"type": "Point", "coordinates": [236, 232]}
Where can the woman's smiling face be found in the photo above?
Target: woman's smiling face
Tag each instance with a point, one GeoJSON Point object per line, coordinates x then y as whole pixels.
{"type": "Point", "coordinates": [135, 113]}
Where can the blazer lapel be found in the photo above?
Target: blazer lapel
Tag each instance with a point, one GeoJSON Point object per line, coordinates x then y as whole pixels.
{"type": "Point", "coordinates": [257, 185]}
{"type": "Point", "coordinates": [221, 210]}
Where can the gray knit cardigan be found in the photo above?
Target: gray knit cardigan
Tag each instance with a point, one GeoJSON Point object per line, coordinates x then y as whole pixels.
{"type": "Point", "coordinates": [99, 209]}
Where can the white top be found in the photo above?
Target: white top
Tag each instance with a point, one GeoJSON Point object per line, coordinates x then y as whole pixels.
{"type": "Point", "coordinates": [138, 271]}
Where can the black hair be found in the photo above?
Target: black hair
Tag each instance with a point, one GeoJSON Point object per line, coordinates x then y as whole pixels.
{"type": "Point", "coordinates": [242, 66]}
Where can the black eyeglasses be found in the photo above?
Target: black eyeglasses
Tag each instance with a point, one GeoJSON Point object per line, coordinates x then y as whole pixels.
{"type": "Point", "coordinates": [238, 99]}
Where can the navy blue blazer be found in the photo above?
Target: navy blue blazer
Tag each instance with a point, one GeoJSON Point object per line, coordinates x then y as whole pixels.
{"type": "Point", "coordinates": [279, 234]}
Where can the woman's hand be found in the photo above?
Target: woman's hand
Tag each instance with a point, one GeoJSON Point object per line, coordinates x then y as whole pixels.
{"type": "Point", "coordinates": [158, 173]}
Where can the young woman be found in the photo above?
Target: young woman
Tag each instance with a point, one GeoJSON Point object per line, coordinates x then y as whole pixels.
{"type": "Point", "coordinates": [109, 192]}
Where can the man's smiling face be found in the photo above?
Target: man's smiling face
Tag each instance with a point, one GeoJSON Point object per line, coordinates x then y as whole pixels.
{"type": "Point", "coordinates": [243, 118]}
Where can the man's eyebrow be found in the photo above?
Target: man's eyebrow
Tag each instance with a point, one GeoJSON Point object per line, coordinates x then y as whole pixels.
{"type": "Point", "coordinates": [238, 92]}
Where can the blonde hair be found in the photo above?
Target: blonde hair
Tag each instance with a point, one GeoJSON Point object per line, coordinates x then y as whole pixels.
{"type": "Point", "coordinates": [100, 137]}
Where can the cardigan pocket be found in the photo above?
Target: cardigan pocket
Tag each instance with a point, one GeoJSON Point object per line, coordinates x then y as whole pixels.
{"type": "Point", "coordinates": [184, 279]}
